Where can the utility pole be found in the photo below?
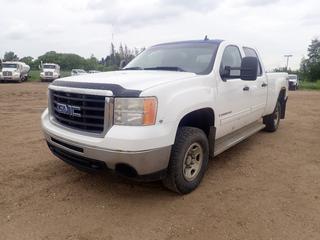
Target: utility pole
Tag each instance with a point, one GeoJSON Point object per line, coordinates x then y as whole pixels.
{"type": "Point", "coordinates": [288, 56]}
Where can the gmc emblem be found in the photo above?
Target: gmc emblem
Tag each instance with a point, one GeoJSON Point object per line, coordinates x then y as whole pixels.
{"type": "Point", "coordinates": [66, 109]}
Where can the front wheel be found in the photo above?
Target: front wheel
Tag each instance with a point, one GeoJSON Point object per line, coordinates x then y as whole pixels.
{"type": "Point", "coordinates": [272, 121]}
{"type": "Point", "coordinates": [188, 161]}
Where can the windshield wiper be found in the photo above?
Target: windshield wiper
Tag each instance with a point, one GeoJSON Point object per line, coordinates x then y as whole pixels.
{"type": "Point", "coordinates": [165, 68]}
{"type": "Point", "coordinates": [133, 68]}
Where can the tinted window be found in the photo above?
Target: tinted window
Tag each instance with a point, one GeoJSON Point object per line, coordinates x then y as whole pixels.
{"type": "Point", "coordinates": [249, 52]}
{"type": "Point", "coordinates": [46, 66]}
{"type": "Point", "coordinates": [293, 77]}
{"type": "Point", "coordinates": [231, 58]}
{"type": "Point", "coordinates": [9, 65]}
{"type": "Point", "coordinates": [190, 57]}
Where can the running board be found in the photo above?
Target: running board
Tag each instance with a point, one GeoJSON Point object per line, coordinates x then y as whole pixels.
{"type": "Point", "coordinates": [232, 139]}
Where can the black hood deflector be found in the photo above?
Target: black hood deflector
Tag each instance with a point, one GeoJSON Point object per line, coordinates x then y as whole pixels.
{"type": "Point", "coordinates": [118, 91]}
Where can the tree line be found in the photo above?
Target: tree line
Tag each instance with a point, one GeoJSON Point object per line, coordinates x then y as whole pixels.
{"type": "Point", "coordinates": [309, 67]}
{"type": "Point", "coordinates": [68, 61]}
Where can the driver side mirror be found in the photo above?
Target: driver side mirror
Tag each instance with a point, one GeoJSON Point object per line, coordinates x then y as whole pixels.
{"type": "Point", "coordinates": [249, 69]}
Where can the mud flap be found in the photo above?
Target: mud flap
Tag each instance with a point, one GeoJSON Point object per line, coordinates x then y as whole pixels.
{"type": "Point", "coordinates": [212, 138]}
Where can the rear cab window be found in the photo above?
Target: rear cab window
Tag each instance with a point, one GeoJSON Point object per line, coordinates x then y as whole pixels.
{"type": "Point", "coordinates": [250, 52]}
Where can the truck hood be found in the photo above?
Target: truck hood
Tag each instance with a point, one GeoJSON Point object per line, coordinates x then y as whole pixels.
{"type": "Point", "coordinates": [134, 80]}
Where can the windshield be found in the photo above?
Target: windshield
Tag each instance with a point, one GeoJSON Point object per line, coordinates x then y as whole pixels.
{"type": "Point", "coordinates": [196, 57]}
{"type": "Point", "coordinates": [46, 66]}
{"type": "Point", "coordinates": [9, 65]}
{"type": "Point", "coordinates": [292, 77]}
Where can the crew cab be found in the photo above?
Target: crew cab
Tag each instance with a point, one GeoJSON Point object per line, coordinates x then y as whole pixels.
{"type": "Point", "coordinates": [50, 72]}
{"type": "Point", "coordinates": [165, 114]}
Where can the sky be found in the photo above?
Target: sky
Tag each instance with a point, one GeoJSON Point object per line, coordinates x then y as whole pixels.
{"type": "Point", "coordinates": [85, 27]}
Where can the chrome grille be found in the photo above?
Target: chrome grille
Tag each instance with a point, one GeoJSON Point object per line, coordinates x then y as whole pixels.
{"type": "Point", "coordinates": [48, 74]}
{"type": "Point", "coordinates": [7, 74]}
{"type": "Point", "coordinates": [80, 111]}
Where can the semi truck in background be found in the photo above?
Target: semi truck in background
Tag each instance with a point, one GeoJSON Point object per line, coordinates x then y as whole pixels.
{"type": "Point", "coordinates": [49, 72]}
{"type": "Point", "coordinates": [14, 71]}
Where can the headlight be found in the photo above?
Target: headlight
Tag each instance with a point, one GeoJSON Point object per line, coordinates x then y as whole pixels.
{"type": "Point", "coordinates": [135, 111]}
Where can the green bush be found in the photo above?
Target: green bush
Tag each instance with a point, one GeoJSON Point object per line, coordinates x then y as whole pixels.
{"type": "Point", "coordinates": [310, 85]}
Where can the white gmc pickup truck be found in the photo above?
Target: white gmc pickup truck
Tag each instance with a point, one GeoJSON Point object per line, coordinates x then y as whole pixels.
{"type": "Point", "coordinates": [166, 113]}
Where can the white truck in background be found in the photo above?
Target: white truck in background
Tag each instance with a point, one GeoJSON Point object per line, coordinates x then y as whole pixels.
{"type": "Point", "coordinates": [293, 82]}
{"type": "Point", "coordinates": [166, 113]}
{"type": "Point", "coordinates": [76, 72]}
{"type": "Point", "coordinates": [50, 71]}
{"type": "Point", "coordinates": [14, 71]}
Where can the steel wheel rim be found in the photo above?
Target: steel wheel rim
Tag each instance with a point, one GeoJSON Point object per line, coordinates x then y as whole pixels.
{"type": "Point", "coordinates": [192, 162]}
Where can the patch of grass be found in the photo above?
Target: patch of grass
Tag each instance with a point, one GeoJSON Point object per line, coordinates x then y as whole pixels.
{"type": "Point", "coordinates": [35, 75]}
{"type": "Point", "coordinates": [310, 85]}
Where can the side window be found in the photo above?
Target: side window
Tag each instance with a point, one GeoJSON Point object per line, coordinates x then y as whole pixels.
{"type": "Point", "coordinates": [249, 52]}
{"type": "Point", "coordinates": [231, 58]}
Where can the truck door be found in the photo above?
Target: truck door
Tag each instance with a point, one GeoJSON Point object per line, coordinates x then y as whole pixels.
{"type": "Point", "coordinates": [258, 89]}
{"type": "Point", "coordinates": [233, 97]}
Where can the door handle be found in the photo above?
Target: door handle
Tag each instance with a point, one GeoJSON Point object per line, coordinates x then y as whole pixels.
{"type": "Point", "coordinates": [246, 88]}
{"type": "Point", "coordinates": [264, 84]}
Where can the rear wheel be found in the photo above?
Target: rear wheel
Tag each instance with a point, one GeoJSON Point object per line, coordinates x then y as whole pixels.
{"type": "Point", "coordinates": [272, 121]}
{"type": "Point", "coordinates": [188, 160]}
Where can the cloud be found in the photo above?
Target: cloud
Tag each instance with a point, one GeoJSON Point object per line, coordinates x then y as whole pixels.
{"type": "Point", "coordinates": [84, 27]}
{"type": "Point", "coordinates": [16, 35]}
{"type": "Point", "coordinates": [120, 14]}
{"type": "Point", "coordinates": [17, 31]}
{"type": "Point", "coordinates": [192, 5]}
{"type": "Point", "coordinates": [311, 20]}
{"type": "Point", "coordinates": [260, 3]}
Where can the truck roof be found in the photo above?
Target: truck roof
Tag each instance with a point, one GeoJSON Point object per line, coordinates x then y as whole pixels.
{"type": "Point", "coordinates": [214, 41]}
{"type": "Point", "coordinates": [12, 62]}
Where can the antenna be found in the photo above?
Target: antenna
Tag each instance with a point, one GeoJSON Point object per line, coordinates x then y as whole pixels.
{"type": "Point", "coordinates": [206, 38]}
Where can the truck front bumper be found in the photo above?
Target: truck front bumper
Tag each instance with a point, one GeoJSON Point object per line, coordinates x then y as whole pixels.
{"type": "Point", "coordinates": [9, 78]}
{"type": "Point", "coordinates": [89, 152]}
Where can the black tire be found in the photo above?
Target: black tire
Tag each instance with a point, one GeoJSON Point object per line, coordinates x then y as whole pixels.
{"type": "Point", "coordinates": [186, 139]}
{"type": "Point", "coordinates": [272, 121]}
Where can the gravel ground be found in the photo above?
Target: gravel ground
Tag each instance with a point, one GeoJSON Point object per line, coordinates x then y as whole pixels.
{"type": "Point", "coordinates": [267, 187]}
